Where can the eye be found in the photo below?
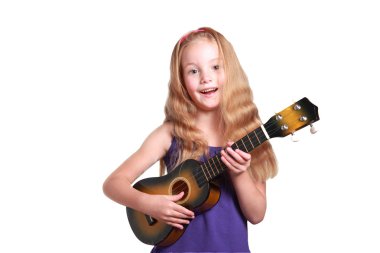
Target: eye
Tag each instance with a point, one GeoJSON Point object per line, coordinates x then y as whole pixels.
{"type": "Point", "coordinates": [193, 71]}
{"type": "Point", "coordinates": [216, 67]}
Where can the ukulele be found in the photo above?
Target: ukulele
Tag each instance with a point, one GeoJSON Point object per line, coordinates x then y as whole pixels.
{"type": "Point", "coordinates": [195, 179]}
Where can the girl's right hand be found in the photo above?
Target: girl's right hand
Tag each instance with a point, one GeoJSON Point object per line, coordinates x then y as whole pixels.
{"type": "Point", "coordinates": [164, 208]}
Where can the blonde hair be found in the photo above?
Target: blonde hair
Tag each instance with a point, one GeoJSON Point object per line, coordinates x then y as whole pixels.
{"type": "Point", "coordinates": [238, 112]}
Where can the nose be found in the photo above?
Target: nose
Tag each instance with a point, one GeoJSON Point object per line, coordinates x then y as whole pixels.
{"type": "Point", "coordinates": [206, 77]}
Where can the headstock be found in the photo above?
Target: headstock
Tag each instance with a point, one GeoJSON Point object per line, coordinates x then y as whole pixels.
{"type": "Point", "coordinates": [292, 118]}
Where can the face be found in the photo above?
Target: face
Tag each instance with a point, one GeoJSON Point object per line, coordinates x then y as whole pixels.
{"type": "Point", "coordinates": [203, 73]}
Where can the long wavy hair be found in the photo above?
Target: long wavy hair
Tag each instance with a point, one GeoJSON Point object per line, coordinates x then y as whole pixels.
{"type": "Point", "coordinates": [238, 112]}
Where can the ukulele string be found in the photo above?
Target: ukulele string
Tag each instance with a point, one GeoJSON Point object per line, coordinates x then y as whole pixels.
{"type": "Point", "coordinates": [202, 177]}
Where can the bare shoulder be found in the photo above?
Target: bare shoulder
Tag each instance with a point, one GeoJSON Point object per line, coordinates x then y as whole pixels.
{"type": "Point", "coordinates": [164, 131]}
{"type": "Point", "coordinates": [158, 142]}
{"type": "Point", "coordinates": [151, 150]}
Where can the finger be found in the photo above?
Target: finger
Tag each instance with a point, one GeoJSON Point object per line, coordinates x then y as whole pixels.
{"type": "Point", "coordinates": [239, 156]}
{"type": "Point", "coordinates": [175, 197]}
{"type": "Point", "coordinates": [229, 165]}
{"type": "Point", "coordinates": [226, 158]}
{"type": "Point", "coordinates": [232, 157]}
{"type": "Point", "coordinates": [179, 226]}
{"type": "Point", "coordinates": [177, 220]}
{"type": "Point", "coordinates": [230, 143]}
{"type": "Point", "coordinates": [233, 164]}
{"type": "Point", "coordinates": [244, 155]}
{"type": "Point", "coordinates": [185, 213]}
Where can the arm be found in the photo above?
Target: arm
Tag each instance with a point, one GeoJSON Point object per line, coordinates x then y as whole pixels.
{"type": "Point", "coordinates": [118, 186]}
{"type": "Point", "coordinates": [251, 194]}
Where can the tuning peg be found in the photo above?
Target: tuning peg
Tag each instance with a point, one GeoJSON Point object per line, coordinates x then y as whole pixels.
{"type": "Point", "coordinates": [313, 130]}
{"type": "Point", "coordinates": [295, 138]}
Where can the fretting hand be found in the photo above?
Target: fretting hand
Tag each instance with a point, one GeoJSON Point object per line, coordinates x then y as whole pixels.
{"type": "Point", "coordinates": [237, 161]}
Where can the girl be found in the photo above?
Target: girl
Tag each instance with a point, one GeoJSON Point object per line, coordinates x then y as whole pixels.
{"type": "Point", "coordinates": [210, 104]}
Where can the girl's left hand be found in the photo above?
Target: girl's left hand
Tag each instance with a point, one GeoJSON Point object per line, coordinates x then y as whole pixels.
{"type": "Point", "coordinates": [236, 160]}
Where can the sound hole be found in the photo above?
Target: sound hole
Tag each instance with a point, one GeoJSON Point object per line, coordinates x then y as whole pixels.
{"type": "Point", "coordinates": [180, 185]}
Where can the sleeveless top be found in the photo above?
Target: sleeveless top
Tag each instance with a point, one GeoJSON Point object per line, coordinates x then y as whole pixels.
{"type": "Point", "coordinates": [223, 228]}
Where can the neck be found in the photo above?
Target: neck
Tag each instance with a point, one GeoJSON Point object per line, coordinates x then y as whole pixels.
{"type": "Point", "coordinates": [207, 118]}
{"type": "Point", "coordinates": [209, 124]}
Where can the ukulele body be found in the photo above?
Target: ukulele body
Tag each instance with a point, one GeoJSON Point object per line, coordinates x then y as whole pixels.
{"type": "Point", "coordinates": [197, 197]}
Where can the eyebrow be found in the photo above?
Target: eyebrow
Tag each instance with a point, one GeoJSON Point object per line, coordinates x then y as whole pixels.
{"type": "Point", "coordinates": [191, 63]}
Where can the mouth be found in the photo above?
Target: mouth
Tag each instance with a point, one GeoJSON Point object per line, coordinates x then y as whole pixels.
{"type": "Point", "coordinates": [209, 90]}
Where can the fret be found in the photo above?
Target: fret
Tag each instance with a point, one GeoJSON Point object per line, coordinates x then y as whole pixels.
{"type": "Point", "coordinates": [216, 167]}
{"type": "Point", "coordinates": [253, 146]}
{"type": "Point", "coordinates": [254, 139]}
{"type": "Point", "coordinates": [257, 137]}
{"type": "Point", "coordinates": [235, 145]}
{"type": "Point", "coordinates": [246, 150]}
{"type": "Point", "coordinates": [248, 143]}
{"type": "Point", "coordinates": [261, 135]}
{"type": "Point", "coordinates": [238, 145]}
{"type": "Point", "coordinates": [221, 164]}
{"type": "Point", "coordinates": [210, 166]}
{"type": "Point", "coordinates": [205, 173]}
{"type": "Point", "coordinates": [208, 170]}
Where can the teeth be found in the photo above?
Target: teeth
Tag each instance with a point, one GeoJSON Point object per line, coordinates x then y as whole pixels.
{"type": "Point", "coordinates": [209, 90]}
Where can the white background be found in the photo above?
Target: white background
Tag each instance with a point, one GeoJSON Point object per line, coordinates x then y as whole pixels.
{"type": "Point", "coordinates": [84, 82]}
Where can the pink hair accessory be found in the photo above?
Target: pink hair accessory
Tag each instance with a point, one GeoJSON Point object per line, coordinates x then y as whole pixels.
{"type": "Point", "coordinates": [184, 37]}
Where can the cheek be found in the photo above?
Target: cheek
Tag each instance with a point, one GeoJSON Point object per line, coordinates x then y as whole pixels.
{"type": "Point", "coordinates": [190, 84]}
{"type": "Point", "coordinates": [222, 79]}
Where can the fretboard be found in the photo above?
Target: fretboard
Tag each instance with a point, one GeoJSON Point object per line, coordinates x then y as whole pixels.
{"type": "Point", "coordinates": [214, 166]}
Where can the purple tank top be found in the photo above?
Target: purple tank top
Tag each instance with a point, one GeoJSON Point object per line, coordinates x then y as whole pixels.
{"type": "Point", "coordinates": [223, 228]}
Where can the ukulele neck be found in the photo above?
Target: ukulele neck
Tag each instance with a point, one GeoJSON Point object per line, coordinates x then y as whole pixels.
{"type": "Point", "coordinates": [214, 166]}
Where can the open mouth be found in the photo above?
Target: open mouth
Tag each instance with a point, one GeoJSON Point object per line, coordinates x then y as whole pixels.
{"type": "Point", "coordinates": [208, 91]}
